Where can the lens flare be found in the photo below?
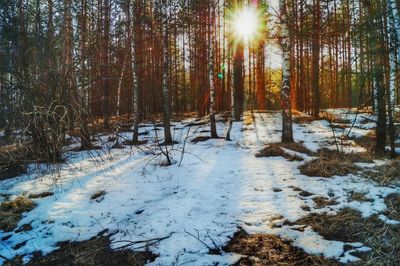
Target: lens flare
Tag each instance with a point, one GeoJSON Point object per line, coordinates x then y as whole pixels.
{"type": "Point", "coordinates": [246, 23]}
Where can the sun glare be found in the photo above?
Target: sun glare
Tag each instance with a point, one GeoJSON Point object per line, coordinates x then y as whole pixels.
{"type": "Point", "coordinates": [246, 23]}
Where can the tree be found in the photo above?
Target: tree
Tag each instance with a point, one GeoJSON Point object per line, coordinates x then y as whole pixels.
{"type": "Point", "coordinates": [211, 72]}
{"type": "Point", "coordinates": [166, 58]}
{"type": "Point", "coordinates": [287, 127]}
{"type": "Point", "coordinates": [316, 47]}
{"type": "Point", "coordinates": [377, 43]}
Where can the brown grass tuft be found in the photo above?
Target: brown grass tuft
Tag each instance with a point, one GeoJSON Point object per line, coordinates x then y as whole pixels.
{"type": "Point", "coordinates": [11, 212]}
{"type": "Point", "coordinates": [325, 167]}
{"type": "Point", "coordinates": [248, 120]}
{"type": "Point", "coordinates": [385, 174]}
{"type": "Point", "coordinates": [12, 158]}
{"type": "Point", "coordinates": [352, 156]}
{"type": "Point", "coordinates": [392, 202]}
{"type": "Point", "coordinates": [333, 118]}
{"type": "Point", "coordinates": [358, 196]}
{"type": "Point", "coordinates": [367, 141]}
{"type": "Point", "coordinates": [298, 147]}
{"type": "Point", "coordinates": [332, 162]}
{"type": "Point", "coordinates": [275, 150]}
{"type": "Point", "coordinates": [303, 119]}
{"type": "Point", "coordinates": [349, 226]}
{"type": "Point", "coordinates": [322, 202]}
{"type": "Point", "coordinates": [262, 249]}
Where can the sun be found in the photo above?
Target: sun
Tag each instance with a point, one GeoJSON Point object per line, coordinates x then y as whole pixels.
{"type": "Point", "coordinates": [246, 23]}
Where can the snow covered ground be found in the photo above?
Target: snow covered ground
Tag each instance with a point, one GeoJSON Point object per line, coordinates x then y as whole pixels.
{"type": "Point", "coordinates": [218, 187]}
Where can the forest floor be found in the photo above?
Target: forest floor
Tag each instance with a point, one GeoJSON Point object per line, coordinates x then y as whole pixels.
{"type": "Point", "coordinates": [246, 201]}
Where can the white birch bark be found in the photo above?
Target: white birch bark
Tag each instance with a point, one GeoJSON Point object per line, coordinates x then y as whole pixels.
{"type": "Point", "coordinates": [135, 97]}
{"type": "Point", "coordinates": [166, 103]}
{"type": "Point", "coordinates": [287, 129]}
{"type": "Point", "coordinates": [211, 78]}
{"type": "Point", "coordinates": [394, 21]}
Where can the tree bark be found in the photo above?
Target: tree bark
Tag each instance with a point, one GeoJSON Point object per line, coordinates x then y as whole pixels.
{"type": "Point", "coordinates": [287, 127]}
{"type": "Point", "coordinates": [166, 56]}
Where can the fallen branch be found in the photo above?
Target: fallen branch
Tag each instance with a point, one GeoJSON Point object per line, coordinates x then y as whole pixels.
{"type": "Point", "coordinates": [216, 250]}
{"type": "Point", "coordinates": [148, 243]}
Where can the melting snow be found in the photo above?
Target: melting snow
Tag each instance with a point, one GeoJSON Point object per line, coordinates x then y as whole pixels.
{"type": "Point", "coordinates": [219, 187]}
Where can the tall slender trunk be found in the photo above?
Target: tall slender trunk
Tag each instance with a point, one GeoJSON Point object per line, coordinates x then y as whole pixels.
{"type": "Point", "coordinates": [287, 127]}
{"type": "Point", "coordinates": [166, 99]}
{"type": "Point", "coordinates": [106, 62]}
{"type": "Point", "coordinates": [377, 45]}
{"type": "Point", "coordinates": [316, 46]}
{"type": "Point", "coordinates": [238, 80]}
{"type": "Point", "coordinates": [211, 73]}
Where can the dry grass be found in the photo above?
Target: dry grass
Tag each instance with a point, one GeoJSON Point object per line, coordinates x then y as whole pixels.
{"type": "Point", "coordinates": [298, 147]}
{"type": "Point", "coordinates": [349, 226]}
{"type": "Point", "coordinates": [275, 150]}
{"type": "Point", "coordinates": [333, 119]}
{"type": "Point", "coordinates": [11, 212]}
{"type": "Point", "coordinates": [261, 249]}
{"type": "Point", "coordinates": [367, 141]}
{"type": "Point", "coordinates": [385, 174]}
{"type": "Point", "coordinates": [332, 162]}
{"type": "Point", "coordinates": [322, 202]}
{"type": "Point", "coordinates": [302, 119]}
{"type": "Point", "coordinates": [358, 196]}
{"type": "Point", "coordinates": [352, 157]}
{"type": "Point", "coordinates": [12, 158]}
{"type": "Point", "coordinates": [93, 252]}
{"type": "Point", "coordinates": [328, 167]}
{"type": "Point", "coordinates": [248, 120]}
{"type": "Point", "coordinates": [392, 202]}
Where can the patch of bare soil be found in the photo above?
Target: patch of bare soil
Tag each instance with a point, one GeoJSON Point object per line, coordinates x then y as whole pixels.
{"type": "Point", "coordinates": [11, 212]}
{"type": "Point", "coordinates": [11, 171]}
{"type": "Point", "coordinates": [96, 252]}
{"type": "Point", "coordinates": [98, 196]}
{"type": "Point", "coordinates": [349, 226]}
{"type": "Point", "coordinates": [262, 249]}
{"type": "Point", "coordinates": [385, 174]}
{"type": "Point", "coordinates": [275, 150]}
{"type": "Point", "coordinates": [135, 143]}
{"type": "Point", "coordinates": [203, 139]}
{"type": "Point", "coordinates": [331, 162]}
{"type": "Point", "coordinates": [41, 195]}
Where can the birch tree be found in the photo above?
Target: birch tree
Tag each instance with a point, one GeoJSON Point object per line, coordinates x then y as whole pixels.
{"type": "Point", "coordinates": [211, 73]}
{"type": "Point", "coordinates": [135, 89]}
{"type": "Point", "coordinates": [287, 127]}
{"type": "Point", "coordinates": [394, 48]}
{"type": "Point", "coordinates": [166, 57]}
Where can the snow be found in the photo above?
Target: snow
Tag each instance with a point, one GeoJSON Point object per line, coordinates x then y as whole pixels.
{"type": "Point", "coordinates": [219, 187]}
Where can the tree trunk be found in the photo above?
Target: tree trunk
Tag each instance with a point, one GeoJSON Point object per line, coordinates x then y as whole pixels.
{"type": "Point", "coordinates": [287, 129]}
{"type": "Point", "coordinates": [211, 74]}
{"type": "Point", "coordinates": [316, 43]}
{"type": "Point", "coordinates": [166, 99]}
